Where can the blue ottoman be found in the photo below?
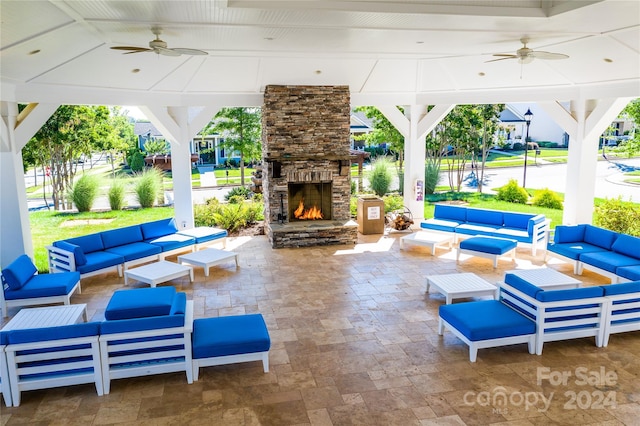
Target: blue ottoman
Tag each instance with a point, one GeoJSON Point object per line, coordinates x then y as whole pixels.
{"type": "Point", "coordinates": [140, 303]}
{"type": "Point", "coordinates": [487, 247]}
{"type": "Point", "coordinates": [487, 324]}
{"type": "Point", "coordinates": [229, 340]}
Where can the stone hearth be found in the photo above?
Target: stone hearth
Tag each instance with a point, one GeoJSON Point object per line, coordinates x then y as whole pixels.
{"type": "Point", "coordinates": [305, 140]}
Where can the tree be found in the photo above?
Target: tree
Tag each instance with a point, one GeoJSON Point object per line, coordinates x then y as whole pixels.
{"type": "Point", "coordinates": [460, 131]}
{"type": "Point", "coordinates": [490, 115]}
{"type": "Point", "coordinates": [242, 131]}
{"type": "Point", "coordinates": [631, 147]}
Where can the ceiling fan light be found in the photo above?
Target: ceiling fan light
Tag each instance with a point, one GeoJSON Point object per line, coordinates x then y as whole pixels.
{"type": "Point", "coordinates": [526, 60]}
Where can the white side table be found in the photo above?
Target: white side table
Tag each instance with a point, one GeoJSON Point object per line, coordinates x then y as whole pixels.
{"type": "Point", "coordinates": [546, 278]}
{"type": "Point", "coordinates": [208, 258]}
{"type": "Point", "coordinates": [427, 239]}
{"type": "Point", "coordinates": [158, 272]}
{"type": "Point", "coordinates": [50, 316]}
{"type": "Point", "coordinates": [456, 286]}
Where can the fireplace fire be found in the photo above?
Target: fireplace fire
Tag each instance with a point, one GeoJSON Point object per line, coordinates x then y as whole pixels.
{"type": "Point", "coordinates": [310, 201]}
{"type": "Point", "coordinates": [313, 213]}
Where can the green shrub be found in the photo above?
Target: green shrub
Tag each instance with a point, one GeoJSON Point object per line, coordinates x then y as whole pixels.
{"type": "Point", "coordinates": [242, 191]}
{"type": "Point", "coordinates": [254, 212]}
{"type": "Point", "coordinates": [116, 194]}
{"type": "Point", "coordinates": [353, 206]}
{"type": "Point", "coordinates": [431, 177]}
{"type": "Point", "coordinates": [230, 217]}
{"type": "Point", "coordinates": [148, 187]}
{"type": "Point", "coordinates": [353, 187]}
{"type": "Point", "coordinates": [84, 192]}
{"type": "Point", "coordinates": [618, 216]}
{"type": "Point", "coordinates": [512, 193]}
{"type": "Point", "coordinates": [136, 161]}
{"type": "Point", "coordinates": [393, 203]}
{"type": "Point", "coordinates": [236, 199]}
{"type": "Point", "coordinates": [547, 198]}
{"type": "Point", "coordinates": [381, 176]}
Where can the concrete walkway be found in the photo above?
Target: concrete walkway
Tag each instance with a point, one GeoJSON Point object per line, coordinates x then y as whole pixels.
{"type": "Point", "coordinates": [207, 177]}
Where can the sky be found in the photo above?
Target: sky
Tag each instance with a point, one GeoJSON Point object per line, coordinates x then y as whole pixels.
{"type": "Point", "coordinates": [134, 112]}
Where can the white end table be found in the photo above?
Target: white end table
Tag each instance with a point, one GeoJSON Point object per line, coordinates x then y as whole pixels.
{"type": "Point", "coordinates": [546, 278]}
{"type": "Point", "coordinates": [456, 286]}
{"type": "Point", "coordinates": [158, 272]}
{"type": "Point", "coordinates": [207, 258]}
{"type": "Point", "coordinates": [50, 316]}
{"type": "Point", "coordinates": [427, 239]}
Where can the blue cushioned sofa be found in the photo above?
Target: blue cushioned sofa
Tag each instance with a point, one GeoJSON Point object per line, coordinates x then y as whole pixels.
{"type": "Point", "coordinates": [526, 229]}
{"type": "Point", "coordinates": [614, 255]}
{"type": "Point", "coordinates": [125, 247]}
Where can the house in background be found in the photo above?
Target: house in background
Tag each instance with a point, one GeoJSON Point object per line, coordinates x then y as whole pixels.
{"type": "Point", "coordinates": [541, 129]}
{"type": "Point", "coordinates": [145, 131]}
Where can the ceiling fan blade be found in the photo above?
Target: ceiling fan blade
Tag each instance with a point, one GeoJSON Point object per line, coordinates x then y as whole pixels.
{"type": "Point", "coordinates": [133, 48]}
{"type": "Point", "coordinates": [166, 52]}
{"type": "Point", "coordinates": [185, 51]}
{"type": "Point", "coordinates": [502, 59]}
{"type": "Point", "coordinates": [539, 54]}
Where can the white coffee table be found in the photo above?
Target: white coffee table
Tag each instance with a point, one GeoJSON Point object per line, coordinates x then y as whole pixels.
{"type": "Point", "coordinates": [158, 272]}
{"type": "Point", "coordinates": [207, 258]}
{"type": "Point", "coordinates": [50, 316]}
{"type": "Point", "coordinates": [547, 278]}
{"type": "Point", "coordinates": [456, 286]}
{"type": "Point", "coordinates": [427, 239]}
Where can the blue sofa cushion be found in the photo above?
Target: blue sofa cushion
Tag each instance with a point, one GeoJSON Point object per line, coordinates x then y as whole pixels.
{"type": "Point", "coordinates": [99, 260]}
{"type": "Point", "coordinates": [134, 251]}
{"type": "Point", "coordinates": [513, 233]}
{"type": "Point", "coordinates": [522, 285]}
{"type": "Point", "coordinates": [158, 228]}
{"type": "Point", "coordinates": [232, 335]}
{"type": "Point", "coordinates": [486, 319]}
{"type": "Point", "coordinates": [141, 324]}
{"type": "Point", "coordinates": [476, 229]}
{"type": "Point", "coordinates": [121, 236]}
{"type": "Point", "coordinates": [608, 260]}
{"type": "Point", "coordinates": [573, 250]}
{"type": "Point", "coordinates": [535, 221]}
{"type": "Point", "coordinates": [140, 303]}
{"type": "Point", "coordinates": [439, 225]}
{"type": "Point", "coordinates": [18, 272]}
{"type": "Point", "coordinates": [58, 333]}
{"type": "Point", "coordinates": [45, 285]}
{"type": "Point", "coordinates": [203, 234]}
{"type": "Point", "coordinates": [570, 294]}
{"type": "Point", "coordinates": [627, 245]}
{"type": "Point", "coordinates": [629, 272]}
{"type": "Point", "coordinates": [516, 220]}
{"type": "Point", "coordinates": [488, 245]}
{"type": "Point", "coordinates": [492, 218]}
{"type": "Point", "coordinates": [599, 236]}
{"type": "Point", "coordinates": [88, 243]}
{"type": "Point", "coordinates": [447, 212]}
{"type": "Point", "coordinates": [172, 242]}
{"type": "Point", "coordinates": [78, 254]}
{"type": "Point", "coordinates": [569, 234]}
{"type": "Point", "coordinates": [624, 288]}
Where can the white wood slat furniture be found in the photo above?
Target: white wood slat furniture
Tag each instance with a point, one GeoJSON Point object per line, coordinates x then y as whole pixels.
{"type": "Point", "coordinates": [456, 286]}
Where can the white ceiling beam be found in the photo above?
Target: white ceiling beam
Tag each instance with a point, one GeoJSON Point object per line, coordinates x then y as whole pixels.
{"type": "Point", "coordinates": [397, 118]}
{"type": "Point", "coordinates": [30, 120]}
{"type": "Point", "coordinates": [432, 118]}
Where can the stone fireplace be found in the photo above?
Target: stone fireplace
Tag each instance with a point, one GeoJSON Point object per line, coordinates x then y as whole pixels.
{"type": "Point", "coordinates": [306, 166]}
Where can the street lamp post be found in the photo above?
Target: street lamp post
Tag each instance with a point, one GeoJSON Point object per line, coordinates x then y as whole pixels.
{"type": "Point", "coordinates": [527, 119]}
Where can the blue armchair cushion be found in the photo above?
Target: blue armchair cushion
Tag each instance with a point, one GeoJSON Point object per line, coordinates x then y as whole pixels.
{"type": "Point", "coordinates": [18, 272]}
{"type": "Point", "coordinates": [608, 260]}
{"type": "Point", "coordinates": [53, 333]}
{"type": "Point", "coordinates": [599, 236]}
{"type": "Point", "coordinates": [629, 272]}
{"type": "Point", "coordinates": [569, 234]}
{"type": "Point", "coordinates": [121, 236]}
{"type": "Point", "coordinates": [140, 303]}
{"type": "Point", "coordinates": [522, 285]}
{"type": "Point", "coordinates": [45, 285]}
{"type": "Point", "coordinates": [179, 305]}
{"type": "Point", "coordinates": [232, 335]}
{"type": "Point", "coordinates": [78, 254]}
{"type": "Point", "coordinates": [624, 288]}
{"type": "Point", "coordinates": [141, 324]}
{"type": "Point", "coordinates": [492, 218]}
{"type": "Point", "coordinates": [134, 251]}
{"type": "Point", "coordinates": [88, 243]}
{"type": "Point", "coordinates": [516, 220]}
{"type": "Point", "coordinates": [486, 319]}
{"type": "Point", "coordinates": [99, 260]}
{"type": "Point", "coordinates": [446, 212]}
{"type": "Point", "coordinates": [158, 228]}
{"type": "Point", "coordinates": [570, 294]}
{"type": "Point", "coordinates": [627, 245]}
{"type": "Point", "coordinates": [488, 245]}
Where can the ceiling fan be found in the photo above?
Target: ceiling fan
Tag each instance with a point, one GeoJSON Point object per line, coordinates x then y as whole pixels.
{"type": "Point", "coordinates": [524, 55]}
{"type": "Point", "coordinates": [160, 47]}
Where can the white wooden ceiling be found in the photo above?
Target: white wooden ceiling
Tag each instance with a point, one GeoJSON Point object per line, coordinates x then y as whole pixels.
{"type": "Point", "coordinates": [388, 51]}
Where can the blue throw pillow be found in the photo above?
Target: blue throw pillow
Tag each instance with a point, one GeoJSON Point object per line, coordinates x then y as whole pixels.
{"type": "Point", "coordinates": [19, 272]}
{"type": "Point", "coordinates": [569, 234]}
{"type": "Point", "coordinates": [77, 251]}
{"type": "Point", "coordinates": [627, 245]}
{"type": "Point", "coordinates": [599, 237]}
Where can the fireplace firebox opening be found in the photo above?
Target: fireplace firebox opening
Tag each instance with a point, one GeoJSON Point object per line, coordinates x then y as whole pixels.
{"type": "Point", "coordinates": [309, 201]}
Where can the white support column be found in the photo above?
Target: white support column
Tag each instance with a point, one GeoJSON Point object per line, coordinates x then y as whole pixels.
{"type": "Point", "coordinates": [592, 118]}
{"type": "Point", "coordinates": [15, 131]}
{"type": "Point", "coordinates": [415, 152]}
